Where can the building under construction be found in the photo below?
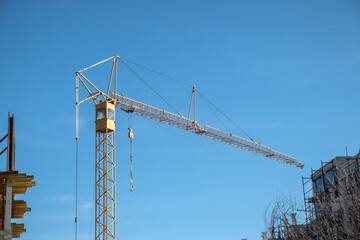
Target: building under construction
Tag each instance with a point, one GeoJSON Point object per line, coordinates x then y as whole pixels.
{"type": "Point", "coordinates": [331, 204]}
{"type": "Point", "coordinates": [336, 197]}
{"type": "Point", "coordinates": [12, 183]}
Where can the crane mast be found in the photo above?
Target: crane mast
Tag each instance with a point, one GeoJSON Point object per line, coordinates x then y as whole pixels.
{"type": "Point", "coordinates": [105, 178]}
{"type": "Point", "coordinates": [105, 192]}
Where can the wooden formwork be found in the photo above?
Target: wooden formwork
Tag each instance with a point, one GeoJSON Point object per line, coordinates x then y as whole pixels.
{"type": "Point", "coordinates": [20, 182]}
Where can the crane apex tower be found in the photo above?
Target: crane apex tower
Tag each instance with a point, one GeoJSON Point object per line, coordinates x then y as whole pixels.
{"type": "Point", "coordinates": [105, 117]}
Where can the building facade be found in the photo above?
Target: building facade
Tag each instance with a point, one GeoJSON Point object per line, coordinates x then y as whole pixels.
{"type": "Point", "coordinates": [336, 198]}
{"type": "Point", "coordinates": [331, 205]}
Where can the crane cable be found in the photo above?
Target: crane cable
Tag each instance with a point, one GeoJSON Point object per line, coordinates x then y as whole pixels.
{"type": "Point", "coordinates": [76, 191]}
{"type": "Point", "coordinates": [185, 84]}
{"type": "Point", "coordinates": [77, 152]}
{"type": "Point", "coordinates": [217, 117]}
{"type": "Point", "coordinates": [159, 73]}
{"type": "Point", "coordinates": [131, 136]}
{"type": "Point", "coordinates": [137, 75]}
{"type": "Point", "coordinates": [206, 99]}
{"type": "Point", "coordinates": [131, 177]}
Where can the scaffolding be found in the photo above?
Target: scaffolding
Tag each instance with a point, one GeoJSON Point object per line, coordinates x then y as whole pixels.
{"type": "Point", "coordinates": [308, 199]}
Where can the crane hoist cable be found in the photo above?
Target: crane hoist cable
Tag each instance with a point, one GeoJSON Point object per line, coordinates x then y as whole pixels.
{"type": "Point", "coordinates": [76, 183]}
{"type": "Point", "coordinates": [131, 136]}
{"type": "Point", "coordinates": [77, 154]}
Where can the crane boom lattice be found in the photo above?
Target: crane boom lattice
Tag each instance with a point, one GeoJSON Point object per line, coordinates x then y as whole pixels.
{"type": "Point", "coordinates": [130, 105]}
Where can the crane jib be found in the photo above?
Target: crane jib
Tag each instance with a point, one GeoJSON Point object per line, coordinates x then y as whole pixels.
{"type": "Point", "coordinates": [130, 105]}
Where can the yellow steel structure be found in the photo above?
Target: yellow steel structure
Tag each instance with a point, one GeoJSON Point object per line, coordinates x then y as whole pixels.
{"type": "Point", "coordinates": [129, 105]}
{"type": "Point", "coordinates": [105, 187]}
{"type": "Point", "coordinates": [105, 194]}
{"type": "Point", "coordinates": [105, 102]}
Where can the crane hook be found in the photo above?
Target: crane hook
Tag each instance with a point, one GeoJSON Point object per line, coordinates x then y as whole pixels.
{"type": "Point", "coordinates": [131, 134]}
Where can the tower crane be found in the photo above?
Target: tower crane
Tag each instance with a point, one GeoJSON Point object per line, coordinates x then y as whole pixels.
{"type": "Point", "coordinates": [105, 104]}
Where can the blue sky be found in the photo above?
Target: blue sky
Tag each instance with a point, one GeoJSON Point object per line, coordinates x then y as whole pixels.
{"type": "Point", "coordinates": [287, 72]}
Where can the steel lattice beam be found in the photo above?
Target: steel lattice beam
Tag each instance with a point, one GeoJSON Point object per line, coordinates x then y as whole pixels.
{"type": "Point", "coordinates": [105, 193]}
{"type": "Point", "coordinates": [130, 105]}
